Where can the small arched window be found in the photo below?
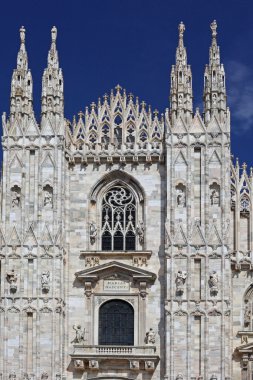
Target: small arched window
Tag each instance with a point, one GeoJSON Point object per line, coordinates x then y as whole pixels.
{"type": "Point", "coordinates": [116, 323]}
{"type": "Point", "coordinates": [118, 219]}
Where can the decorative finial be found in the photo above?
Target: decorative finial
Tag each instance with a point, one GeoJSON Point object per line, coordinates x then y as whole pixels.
{"type": "Point", "coordinates": [244, 166]}
{"type": "Point", "coordinates": [22, 34]}
{"type": "Point", "coordinates": [181, 29]}
{"type": "Point", "coordinates": [54, 33]}
{"type": "Point", "coordinates": [143, 104]}
{"type": "Point", "coordinates": [80, 114]}
{"type": "Point", "coordinates": [118, 88]}
{"type": "Point", "coordinates": [213, 27]}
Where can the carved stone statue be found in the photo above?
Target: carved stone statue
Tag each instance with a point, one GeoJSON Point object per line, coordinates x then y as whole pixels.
{"type": "Point", "coordinates": [12, 375]}
{"type": "Point", "coordinates": [180, 280]}
{"type": "Point", "coordinates": [44, 376]}
{"type": "Point", "coordinates": [140, 231]}
{"type": "Point", "coordinates": [180, 376]}
{"type": "Point", "coordinates": [150, 337]}
{"type": "Point", "coordinates": [80, 334]}
{"type": "Point", "coordinates": [93, 364]}
{"type": "Point", "coordinates": [48, 198]}
{"type": "Point", "coordinates": [45, 280]}
{"type": "Point", "coordinates": [180, 198]}
{"type": "Point", "coordinates": [79, 363]}
{"type": "Point", "coordinates": [247, 316]}
{"type": "Point", "coordinates": [215, 197]}
{"type": "Point", "coordinates": [213, 283]}
{"type": "Point", "coordinates": [15, 198]}
{"type": "Point", "coordinates": [214, 98]}
{"type": "Point", "coordinates": [93, 232]}
{"type": "Point", "coordinates": [12, 278]}
{"type": "Point", "coordinates": [134, 364]}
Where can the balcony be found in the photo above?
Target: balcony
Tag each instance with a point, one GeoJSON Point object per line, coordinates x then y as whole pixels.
{"type": "Point", "coordinates": [135, 357]}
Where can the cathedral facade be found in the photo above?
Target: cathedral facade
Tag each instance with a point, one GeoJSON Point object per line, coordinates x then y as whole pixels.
{"type": "Point", "coordinates": [126, 236]}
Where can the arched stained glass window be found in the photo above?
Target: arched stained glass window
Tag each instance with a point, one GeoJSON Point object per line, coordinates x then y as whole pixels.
{"type": "Point", "coordinates": [118, 220]}
{"type": "Point", "coordinates": [116, 323]}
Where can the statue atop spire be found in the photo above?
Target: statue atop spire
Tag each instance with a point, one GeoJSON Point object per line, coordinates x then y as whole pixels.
{"type": "Point", "coordinates": [181, 81]}
{"type": "Point", "coordinates": [214, 53]}
{"type": "Point", "coordinates": [213, 27]}
{"type": "Point", "coordinates": [214, 81]}
{"type": "Point", "coordinates": [22, 61]}
{"type": "Point", "coordinates": [22, 34]}
{"type": "Point", "coordinates": [52, 82]}
{"type": "Point", "coordinates": [21, 83]}
{"type": "Point", "coordinates": [181, 30]}
{"type": "Point", "coordinates": [52, 59]}
{"type": "Point", "coordinates": [54, 34]}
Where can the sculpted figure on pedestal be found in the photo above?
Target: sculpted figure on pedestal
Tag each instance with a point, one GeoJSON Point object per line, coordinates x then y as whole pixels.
{"type": "Point", "coordinates": [80, 334]}
{"type": "Point", "coordinates": [180, 280]}
{"type": "Point", "coordinates": [150, 337]}
{"type": "Point", "coordinates": [247, 316]}
{"type": "Point", "coordinates": [45, 280]}
{"type": "Point", "coordinates": [213, 283]}
{"type": "Point", "coordinates": [93, 232]}
{"type": "Point", "coordinates": [140, 231]}
{"type": "Point", "coordinates": [15, 197]}
{"type": "Point", "coordinates": [12, 278]}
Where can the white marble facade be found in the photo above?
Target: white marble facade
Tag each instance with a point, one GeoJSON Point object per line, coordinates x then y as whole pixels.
{"type": "Point", "coordinates": [125, 207]}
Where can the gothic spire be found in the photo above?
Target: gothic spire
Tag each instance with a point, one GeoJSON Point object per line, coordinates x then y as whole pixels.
{"type": "Point", "coordinates": [214, 81]}
{"type": "Point", "coordinates": [52, 84]}
{"type": "Point", "coordinates": [181, 81]}
{"type": "Point", "coordinates": [21, 83]}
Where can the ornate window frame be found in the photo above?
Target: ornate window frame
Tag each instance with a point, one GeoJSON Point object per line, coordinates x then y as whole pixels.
{"type": "Point", "coordinates": [114, 178]}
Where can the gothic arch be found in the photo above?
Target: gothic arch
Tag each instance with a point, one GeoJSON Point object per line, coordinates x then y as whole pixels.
{"type": "Point", "coordinates": [117, 177]}
{"type": "Point", "coordinates": [248, 295]}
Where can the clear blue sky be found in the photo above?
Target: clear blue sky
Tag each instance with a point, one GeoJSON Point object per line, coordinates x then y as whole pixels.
{"type": "Point", "coordinates": [132, 42]}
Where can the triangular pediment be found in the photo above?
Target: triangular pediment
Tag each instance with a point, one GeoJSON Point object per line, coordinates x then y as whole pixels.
{"type": "Point", "coordinates": [197, 236]}
{"type": "Point", "coordinates": [214, 126]}
{"type": "Point", "coordinates": [197, 125]}
{"type": "Point", "coordinates": [115, 267]}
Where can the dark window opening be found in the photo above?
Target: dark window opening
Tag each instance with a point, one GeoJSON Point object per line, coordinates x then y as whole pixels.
{"type": "Point", "coordinates": [116, 323]}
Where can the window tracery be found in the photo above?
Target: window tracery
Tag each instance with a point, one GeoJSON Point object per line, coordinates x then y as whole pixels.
{"type": "Point", "coordinates": [130, 138]}
{"type": "Point", "coordinates": [118, 219]}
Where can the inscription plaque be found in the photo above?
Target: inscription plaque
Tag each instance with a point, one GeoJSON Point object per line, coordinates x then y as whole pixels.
{"type": "Point", "coordinates": [116, 285]}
